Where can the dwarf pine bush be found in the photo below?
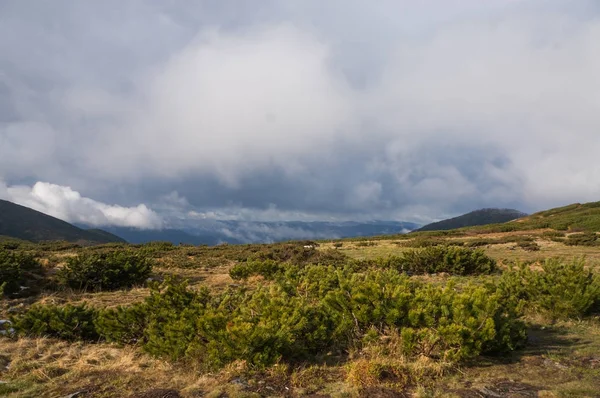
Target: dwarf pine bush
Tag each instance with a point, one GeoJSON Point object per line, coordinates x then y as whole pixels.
{"type": "Point", "coordinates": [16, 270]}
{"type": "Point", "coordinates": [454, 260]}
{"type": "Point", "coordinates": [267, 269]}
{"type": "Point", "coordinates": [561, 289]}
{"type": "Point", "coordinates": [312, 310]}
{"type": "Point", "coordinates": [105, 271]}
{"type": "Point", "coordinates": [69, 322]}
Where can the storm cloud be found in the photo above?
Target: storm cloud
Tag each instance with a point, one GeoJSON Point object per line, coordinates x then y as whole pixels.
{"type": "Point", "coordinates": [300, 110]}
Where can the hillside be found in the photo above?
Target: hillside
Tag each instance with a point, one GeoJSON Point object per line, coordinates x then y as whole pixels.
{"type": "Point", "coordinates": [576, 217]}
{"type": "Point", "coordinates": [21, 222]}
{"type": "Point", "coordinates": [475, 218]}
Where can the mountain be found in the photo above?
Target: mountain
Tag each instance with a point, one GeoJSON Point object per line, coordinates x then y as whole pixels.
{"type": "Point", "coordinates": [212, 232]}
{"type": "Point", "coordinates": [574, 217]}
{"type": "Point", "coordinates": [21, 222]}
{"type": "Point", "coordinates": [475, 218]}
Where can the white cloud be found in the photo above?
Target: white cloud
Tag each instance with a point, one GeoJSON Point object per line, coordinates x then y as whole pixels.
{"type": "Point", "coordinates": [68, 205]}
{"type": "Point", "coordinates": [515, 81]}
{"type": "Point", "coordinates": [230, 104]}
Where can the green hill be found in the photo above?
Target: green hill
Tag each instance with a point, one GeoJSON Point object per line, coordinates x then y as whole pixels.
{"type": "Point", "coordinates": [474, 218]}
{"type": "Point", "coordinates": [24, 223]}
{"type": "Point", "coordinates": [576, 217]}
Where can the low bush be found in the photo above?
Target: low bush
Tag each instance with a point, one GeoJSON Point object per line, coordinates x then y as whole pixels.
{"type": "Point", "coordinates": [366, 243]}
{"type": "Point", "coordinates": [312, 310]}
{"type": "Point", "coordinates": [419, 242]}
{"type": "Point", "coordinates": [70, 322]}
{"type": "Point", "coordinates": [124, 325]}
{"type": "Point", "coordinates": [553, 234]}
{"type": "Point", "coordinates": [528, 246]}
{"type": "Point", "coordinates": [156, 248]}
{"type": "Point", "coordinates": [479, 242]}
{"type": "Point", "coordinates": [561, 290]}
{"type": "Point", "coordinates": [267, 269]}
{"type": "Point", "coordinates": [449, 259]}
{"type": "Point", "coordinates": [297, 254]}
{"type": "Point", "coordinates": [18, 272]}
{"type": "Point", "coordinates": [105, 271]}
{"type": "Point", "coordinates": [582, 239]}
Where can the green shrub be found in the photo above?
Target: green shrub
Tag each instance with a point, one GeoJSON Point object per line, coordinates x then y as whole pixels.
{"type": "Point", "coordinates": [528, 246]}
{"type": "Point", "coordinates": [105, 271]}
{"type": "Point", "coordinates": [296, 254]}
{"type": "Point", "coordinates": [123, 325]}
{"type": "Point", "coordinates": [18, 270]}
{"type": "Point", "coordinates": [449, 259]}
{"type": "Point", "coordinates": [156, 249]}
{"type": "Point", "coordinates": [70, 322]}
{"type": "Point", "coordinates": [553, 234]}
{"type": "Point", "coordinates": [562, 290]}
{"type": "Point", "coordinates": [420, 242]}
{"type": "Point", "coordinates": [366, 243]}
{"type": "Point", "coordinates": [584, 239]}
{"type": "Point", "coordinates": [268, 269]}
{"type": "Point", "coordinates": [479, 242]}
{"type": "Point", "coordinates": [318, 309]}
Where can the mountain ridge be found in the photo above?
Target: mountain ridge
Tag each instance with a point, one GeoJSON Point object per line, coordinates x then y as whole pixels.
{"type": "Point", "coordinates": [24, 223]}
{"type": "Point", "coordinates": [474, 218]}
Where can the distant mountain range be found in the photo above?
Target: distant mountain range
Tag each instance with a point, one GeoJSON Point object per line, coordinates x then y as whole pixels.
{"type": "Point", "coordinates": [24, 223]}
{"type": "Point", "coordinates": [212, 232]}
{"type": "Point", "coordinates": [475, 218]}
{"type": "Point", "coordinates": [21, 222]}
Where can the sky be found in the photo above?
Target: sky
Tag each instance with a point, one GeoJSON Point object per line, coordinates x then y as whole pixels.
{"type": "Point", "coordinates": [152, 113]}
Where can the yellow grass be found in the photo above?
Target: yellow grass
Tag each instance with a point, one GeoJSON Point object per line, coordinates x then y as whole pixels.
{"type": "Point", "coordinates": [561, 359]}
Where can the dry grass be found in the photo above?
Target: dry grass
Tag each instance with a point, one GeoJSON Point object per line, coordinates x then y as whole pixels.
{"type": "Point", "coordinates": [45, 367]}
{"type": "Point", "coordinates": [561, 360]}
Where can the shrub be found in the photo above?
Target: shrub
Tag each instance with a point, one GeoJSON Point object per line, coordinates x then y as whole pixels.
{"type": "Point", "coordinates": [528, 246]}
{"type": "Point", "coordinates": [17, 270]}
{"type": "Point", "coordinates": [313, 310]}
{"type": "Point", "coordinates": [268, 269]}
{"type": "Point", "coordinates": [164, 324]}
{"type": "Point", "coordinates": [421, 242]}
{"type": "Point", "coordinates": [450, 259]}
{"type": "Point", "coordinates": [105, 271]}
{"type": "Point", "coordinates": [296, 254]}
{"type": "Point", "coordinates": [562, 290]}
{"type": "Point", "coordinates": [338, 244]}
{"type": "Point", "coordinates": [366, 243]}
{"type": "Point", "coordinates": [123, 325]}
{"type": "Point", "coordinates": [479, 242]}
{"type": "Point", "coordinates": [70, 322]}
{"type": "Point", "coordinates": [553, 234]}
{"type": "Point", "coordinates": [585, 239]}
{"type": "Point", "coordinates": [156, 249]}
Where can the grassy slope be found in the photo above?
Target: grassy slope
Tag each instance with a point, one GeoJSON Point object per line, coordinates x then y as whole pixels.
{"type": "Point", "coordinates": [574, 218]}
{"type": "Point", "coordinates": [24, 223]}
{"type": "Point", "coordinates": [474, 218]}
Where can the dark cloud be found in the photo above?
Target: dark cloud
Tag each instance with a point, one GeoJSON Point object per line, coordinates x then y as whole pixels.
{"type": "Point", "coordinates": [299, 110]}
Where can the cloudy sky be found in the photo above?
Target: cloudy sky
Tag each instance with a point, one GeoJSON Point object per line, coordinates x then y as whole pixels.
{"type": "Point", "coordinates": [141, 112]}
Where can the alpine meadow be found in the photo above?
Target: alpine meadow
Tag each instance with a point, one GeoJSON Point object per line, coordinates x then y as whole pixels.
{"type": "Point", "coordinates": [299, 198]}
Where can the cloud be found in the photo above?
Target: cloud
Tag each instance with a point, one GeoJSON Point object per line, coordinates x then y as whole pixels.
{"type": "Point", "coordinates": [400, 110]}
{"type": "Point", "coordinates": [66, 204]}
